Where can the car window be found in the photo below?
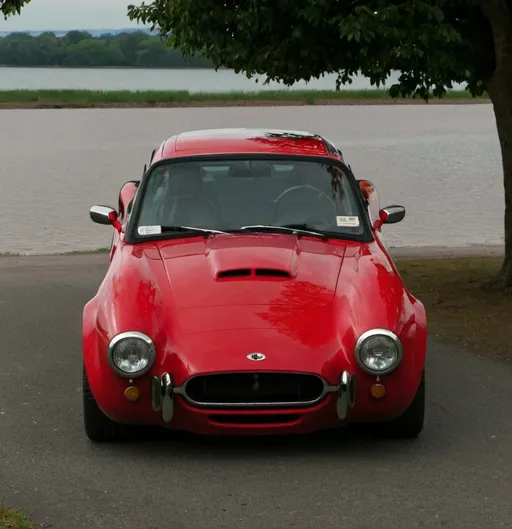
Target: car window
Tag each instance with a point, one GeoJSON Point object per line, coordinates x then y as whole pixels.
{"type": "Point", "coordinates": [229, 194]}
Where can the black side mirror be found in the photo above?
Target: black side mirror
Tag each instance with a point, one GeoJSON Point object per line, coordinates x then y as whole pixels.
{"type": "Point", "coordinates": [392, 214]}
{"type": "Point", "coordinates": [103, 215]}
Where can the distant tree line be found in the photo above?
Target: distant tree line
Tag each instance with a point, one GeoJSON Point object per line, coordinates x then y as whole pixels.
{"type": "Point", "coordinates": [81, 49]}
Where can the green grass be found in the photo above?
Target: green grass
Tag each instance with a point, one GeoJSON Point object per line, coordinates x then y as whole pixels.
{"type": "Point", "coordinates": [11, 519]}
{"type": "Point", "coordinates": [89, 98]}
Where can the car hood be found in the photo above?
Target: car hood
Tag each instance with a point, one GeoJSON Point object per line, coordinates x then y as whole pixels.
{"type": "Point", "coordinates": [251, 270]}
{"type": "Point", "coordinates": [204, 301]}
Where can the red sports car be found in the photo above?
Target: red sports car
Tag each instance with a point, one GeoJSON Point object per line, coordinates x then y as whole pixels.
{"type": "Point", "coordinates": [249, 292]}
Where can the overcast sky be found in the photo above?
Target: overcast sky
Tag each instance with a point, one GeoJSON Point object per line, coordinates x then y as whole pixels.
{"type": "Point", "coordinates": [71, 14]}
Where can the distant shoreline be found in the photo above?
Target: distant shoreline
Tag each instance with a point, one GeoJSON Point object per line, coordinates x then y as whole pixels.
{"type": "Point", "coordinates": [39, 99]}
{"type": "Point", "coordinates": [59, 67]}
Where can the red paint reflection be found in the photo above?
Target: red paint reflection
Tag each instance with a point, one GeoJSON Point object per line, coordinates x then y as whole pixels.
{"type": "Point", "coordinates": [303, 312]}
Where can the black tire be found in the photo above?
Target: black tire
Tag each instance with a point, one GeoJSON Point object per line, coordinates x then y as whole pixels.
{"type": "Point", "coordinates": [410, 424]}
{"type": "Point", "coordinates": [98, 426]}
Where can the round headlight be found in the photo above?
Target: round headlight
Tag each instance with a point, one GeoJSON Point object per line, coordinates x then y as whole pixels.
{"type": "Point", "coordinates": [378, 351]}
{"type": "Point", "coordinates": [131, 354]}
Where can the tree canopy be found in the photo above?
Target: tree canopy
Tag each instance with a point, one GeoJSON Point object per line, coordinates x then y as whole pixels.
{"type": "Point", "coordinates": [81, 49]}
{"type": "Point", "coordinates": [432, 43]}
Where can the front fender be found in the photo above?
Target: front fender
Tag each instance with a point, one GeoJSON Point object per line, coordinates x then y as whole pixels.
{"type": "Point", "coordinates": [128, 299]}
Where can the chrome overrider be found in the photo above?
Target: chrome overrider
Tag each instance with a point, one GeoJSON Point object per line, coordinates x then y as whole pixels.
{"type": "Point", "coordinates": [163, 392]}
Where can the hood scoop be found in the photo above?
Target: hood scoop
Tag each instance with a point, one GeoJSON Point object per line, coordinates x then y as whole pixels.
{"type": "Point", "coordinates": [233, 272]}
{"type": "Point", "coordinates": [253, 273]}
{"type": "Point", "coordinates": [249, 258]}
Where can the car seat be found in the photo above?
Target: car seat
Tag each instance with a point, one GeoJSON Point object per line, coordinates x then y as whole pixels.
{"type": "Point", "coordinates": [186, 205]}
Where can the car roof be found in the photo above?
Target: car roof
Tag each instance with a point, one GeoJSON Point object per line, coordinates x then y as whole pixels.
{"type": "Point", "coordinates": [244, 141]}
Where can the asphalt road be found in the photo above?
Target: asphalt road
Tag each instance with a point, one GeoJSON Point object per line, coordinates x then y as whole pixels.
{"type": "Point", "coordinates": [458, 474]}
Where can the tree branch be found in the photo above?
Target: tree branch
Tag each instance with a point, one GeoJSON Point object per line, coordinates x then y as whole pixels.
{"type": "Point", "coordinates": [11, 7]}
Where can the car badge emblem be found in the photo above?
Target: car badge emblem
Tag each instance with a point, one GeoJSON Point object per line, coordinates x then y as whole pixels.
{"type": "Point", "coordinates": [256, 357]}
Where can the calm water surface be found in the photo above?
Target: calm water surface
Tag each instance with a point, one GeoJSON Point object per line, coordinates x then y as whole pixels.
{"type": "Point", "coordinates": [441, 162]}
{"type": "Point", "coordinates": [152, 79]}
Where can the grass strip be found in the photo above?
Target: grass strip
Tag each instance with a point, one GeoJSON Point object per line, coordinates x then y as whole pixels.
{"type": "Point", "coordinates": [126, 98]}
{"type": "Point", "coordinates": [12, 519]}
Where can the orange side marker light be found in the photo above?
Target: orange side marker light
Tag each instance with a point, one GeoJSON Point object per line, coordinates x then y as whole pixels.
{"type": "Point", "coordinates": [378, 391]}
{"type": "Point", "coordinates": [132, 393]}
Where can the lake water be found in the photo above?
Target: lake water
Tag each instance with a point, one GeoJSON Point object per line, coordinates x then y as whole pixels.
{"type": "Point", "coordinates": [442, 162]}
{"type": "Point", "coordinates": [151, 79]}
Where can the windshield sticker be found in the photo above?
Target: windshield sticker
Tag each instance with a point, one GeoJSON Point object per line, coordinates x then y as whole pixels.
{"type": "Point", "coordinates": [347, 222]}
{"type": "Point", "coordinates": [150, 230]}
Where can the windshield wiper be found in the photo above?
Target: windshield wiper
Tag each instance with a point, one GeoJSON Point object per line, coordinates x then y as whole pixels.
{"type": "Point", "coordinates": [299, 229]}
{"type": "Point", "coordinates": [206, 231]}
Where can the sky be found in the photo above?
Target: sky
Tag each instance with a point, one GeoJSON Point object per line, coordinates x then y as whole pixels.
{"type": "Point", "coordinates": [71, 14]}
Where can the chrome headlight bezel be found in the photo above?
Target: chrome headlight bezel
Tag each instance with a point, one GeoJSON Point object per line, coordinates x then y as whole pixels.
{"type": "Point", "coordinates": [116, 340]}
{"type": "Point", "coordinates": [378, 332]}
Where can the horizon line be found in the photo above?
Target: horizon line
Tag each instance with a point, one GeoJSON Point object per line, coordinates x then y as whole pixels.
{"type": "Point", "coordinates": [74, 29]}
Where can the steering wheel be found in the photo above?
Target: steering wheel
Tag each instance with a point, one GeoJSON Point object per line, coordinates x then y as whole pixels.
{"type": "Point", "coordinates": [323, 221]}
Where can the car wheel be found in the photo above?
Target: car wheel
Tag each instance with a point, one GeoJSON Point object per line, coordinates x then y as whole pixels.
{"type": "Point", "coordinates": [98, 426]}
{"type": "Point", "coordinates": [410, 423]}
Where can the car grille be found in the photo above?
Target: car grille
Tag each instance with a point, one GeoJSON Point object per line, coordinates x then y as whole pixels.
{"type": "Point", "coordinates": [254, 389]}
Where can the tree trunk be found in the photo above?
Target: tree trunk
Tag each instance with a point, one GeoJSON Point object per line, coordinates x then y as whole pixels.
{"type": "Point", "coordinates": [500, 92]}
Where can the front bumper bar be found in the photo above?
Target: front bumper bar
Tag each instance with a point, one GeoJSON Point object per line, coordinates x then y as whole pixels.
{"type": "Point", "coordinates": [163, 394]}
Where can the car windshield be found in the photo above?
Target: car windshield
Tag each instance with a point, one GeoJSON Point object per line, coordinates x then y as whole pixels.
{"type": "Point", "coordinates": [252, 195]}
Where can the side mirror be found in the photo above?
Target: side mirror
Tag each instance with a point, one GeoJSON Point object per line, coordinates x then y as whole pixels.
{"type": "Point", "coordinates": [105, 215]}
{"type": "Point", "coordinates": [389, 215]}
